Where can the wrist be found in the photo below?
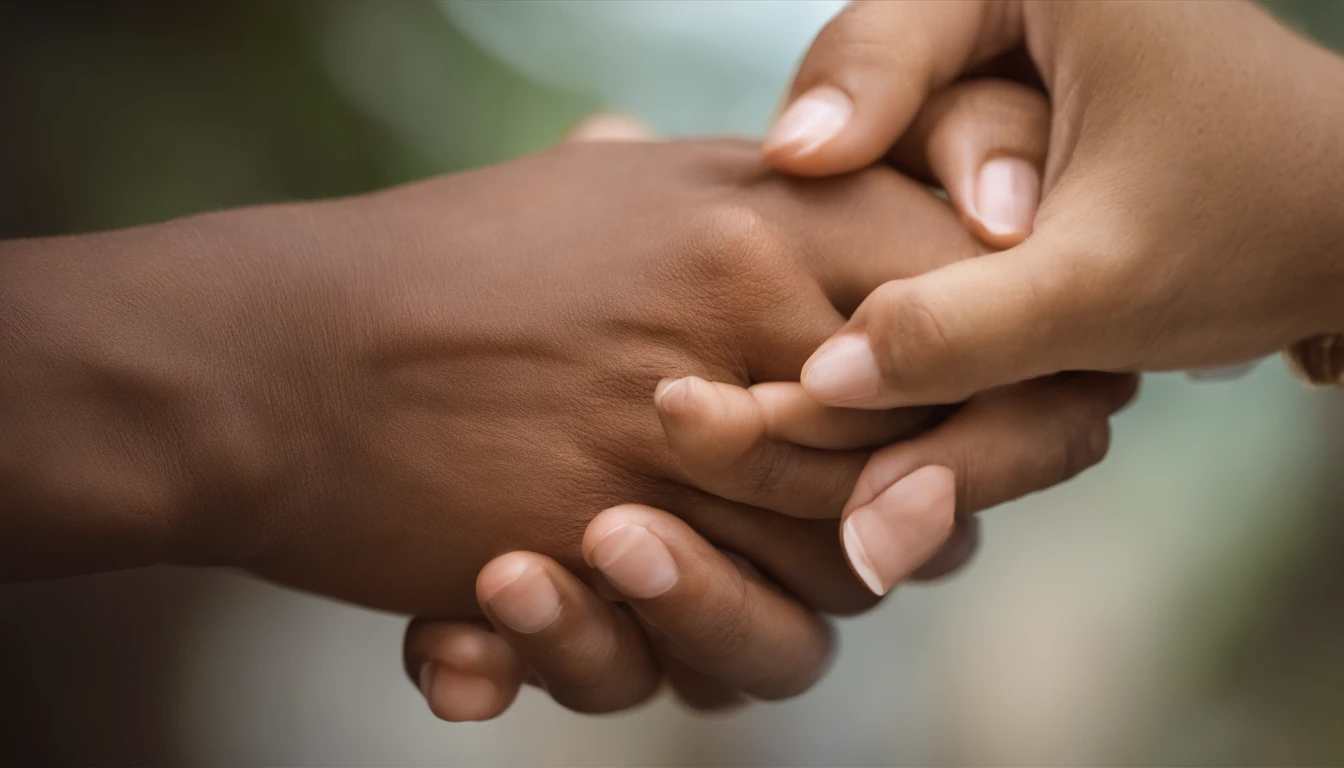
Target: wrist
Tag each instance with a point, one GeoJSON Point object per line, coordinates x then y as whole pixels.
{"type": "Point", "coordinates": [87, 484]}
{"type": "Point", "coordinates": [127, 442]}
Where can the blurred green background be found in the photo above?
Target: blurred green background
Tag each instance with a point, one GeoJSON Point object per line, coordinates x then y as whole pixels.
{"type": "Point", "coordinates": [1181, 604]}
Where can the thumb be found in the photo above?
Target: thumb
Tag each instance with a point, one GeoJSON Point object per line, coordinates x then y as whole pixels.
{"type": "Point", "coordinates": [970, 326]}
{"type": "Point", "coordinates": [984, 141]}
{"type": "Point", "coordinates": [869, 72]}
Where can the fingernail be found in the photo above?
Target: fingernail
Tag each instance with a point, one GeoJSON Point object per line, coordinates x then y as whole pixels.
{"type": "Point", "coordinates": [635, 561]}
{"type": "Point", "coordinates": [811, 121]}
{"type": "Point", "coordinates": [674, 393]}
{"type": "Point", "coordinates": [904, 526]}
{"type": "Point", "coordinates": [843, 370]}
{"type": "Point", "coordinates": [527, 602]}
{"type": "Point", "coordinates": [1006, 194]}
{"type": "Point", "coordinates": [456, 696]}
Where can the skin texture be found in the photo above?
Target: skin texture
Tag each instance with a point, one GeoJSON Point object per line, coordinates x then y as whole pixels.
{"type": "Point", "coordinates": [1165, 238]}
{"type": "Point", "coordinates": [722, 633]}
{"type": "Point", "coordinates": [1003, 445]}
{"type": "Point", "coordinates": [373, 397]}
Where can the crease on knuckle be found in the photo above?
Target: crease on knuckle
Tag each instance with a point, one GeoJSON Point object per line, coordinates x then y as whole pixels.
{"type": "Point", "coordinates": [735, 266]}
{"type": "Point", "coordinates": [600, 684]}
{"type": "Point", "coordinates": [907, 337]}
{"type": "Point", "coordinates": [764, 471]}
{"type": "Point", "coordinates": [724, 632]}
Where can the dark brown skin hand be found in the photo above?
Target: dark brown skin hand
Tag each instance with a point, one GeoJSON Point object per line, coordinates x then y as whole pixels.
{"type": "Point", "coordinates": [373, 397]}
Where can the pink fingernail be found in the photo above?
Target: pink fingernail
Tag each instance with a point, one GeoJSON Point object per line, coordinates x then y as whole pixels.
{"type": "Point", "coordinates": [888, 538]}
{"type": "Point", "coordinates": [844, 370]}
{"type": "Point", "coordinates": [635, 561]}
{"type": "Point", "coordinates": [527, 601]}
{"type": "Point", "coordinates": [1006, 194]}
{"type": "Point", "coordinates": [810, 121]}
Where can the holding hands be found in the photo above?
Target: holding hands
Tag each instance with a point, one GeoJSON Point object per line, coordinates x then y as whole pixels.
{"type": "Point", "coordinates": [720, 619]}
{"type": "Point", "coordinates": [416, 400]}
{"type": "Point", "coordinates": [1165, 179]}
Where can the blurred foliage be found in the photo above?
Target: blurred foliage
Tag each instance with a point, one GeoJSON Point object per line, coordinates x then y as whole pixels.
{"type": "Point", "coordinates": [120, 113]}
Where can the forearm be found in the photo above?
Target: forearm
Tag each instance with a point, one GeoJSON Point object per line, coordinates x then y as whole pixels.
{"type": "Point", "coordinates": [123, 438]}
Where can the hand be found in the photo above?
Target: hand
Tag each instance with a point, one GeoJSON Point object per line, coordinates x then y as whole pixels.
{"type": "Point", "coordinates": [371, 398]}
{"type": "Point", "coordinates": [730, 439]}
{"type": "Point", "coordinates": [1164, 240]}
{"type": "Point", "coordinates": [718, 631]}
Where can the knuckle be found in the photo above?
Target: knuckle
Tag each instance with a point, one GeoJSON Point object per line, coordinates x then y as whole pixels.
{"type": "Point", "coordinates": [765, 470]}
{"type": "Point", "coordinates": [719, 628]}
{"type": "Point", "coordinates": [906, 335]}
{"type": "Point", "coordinates": [856, 42]}
{"type": "Point", "coordinates": [737, 246]}
{"type": "Point", "coordinates": [600, 684]}
{"type": "Point", "coordinates": [736, 230]}
{"type": "Point", "coordinates": [1003, 115]}
{"type": "Point", "coordinates": [724, 631]}
{"type": "Point", "coordinates": [1003, 102]}
{"type": "Point", "coordinates": [1083, 448]}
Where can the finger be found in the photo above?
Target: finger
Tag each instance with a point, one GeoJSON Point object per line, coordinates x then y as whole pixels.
{"type": "Point", "coordinates": [984, 141]}
{"type": "Point", "coordinates": [718, 433]}
{"type": "Point", "coordinates": [719, 621]}
{"type": "Point", "coordinates": [696, 689]}
{"type": "Point", "coordinates": [589, 654]}
{"type": "Point", "coordinates": [803, 556]}
{"type": "Point", "coordinates": [1002, 445]}
{"type": "Point", "coordinates": [953, 555]}
{"type": "Point", "coordinates": [863, 230]}
{"type": "Point", "coordinates": [606, 126]}
{"type": "Point", "coordinates": [870, 70]}
{"type": "Point", "coordinates": [464, 671]}
{"type": "Point", "coordinates": [792, 416]}
{"type": "Point", "coordinates": [975, 325]}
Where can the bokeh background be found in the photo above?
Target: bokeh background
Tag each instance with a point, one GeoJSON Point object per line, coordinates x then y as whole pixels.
{"type": "Point", "coordinates": [1181, 604]}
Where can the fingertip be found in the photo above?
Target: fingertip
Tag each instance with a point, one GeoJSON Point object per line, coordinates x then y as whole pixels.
{"type": "Point", "coordinates": [1126, 391]}
{"type": "Point", "coordinates": [673, 396]}
{"type": "Point", "coordinates": [609, 520]}
{"type": "Point", "coordinates": [501, 572]}
{"type": "Point", "coordinates": [519, 593]}
{"type": "Point", "coordinates": [1003, 207]}
{"type": "Point", "coordinates": [688, 398]}
{"type": "Point", "coordinates": [464, 672]}
{"type": "Point", "coordinates": [636, 561]}
{"type": "Point", "coordinates": [902, 528]}
{"type": "Point", "coordinates": [843, 371]}
{"type": "Point", "coordinates": [459, 698]}
{"type": "Point", "coordinates": [812, 121]}
{"type": "Point", "coordinates": [709, 425]}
